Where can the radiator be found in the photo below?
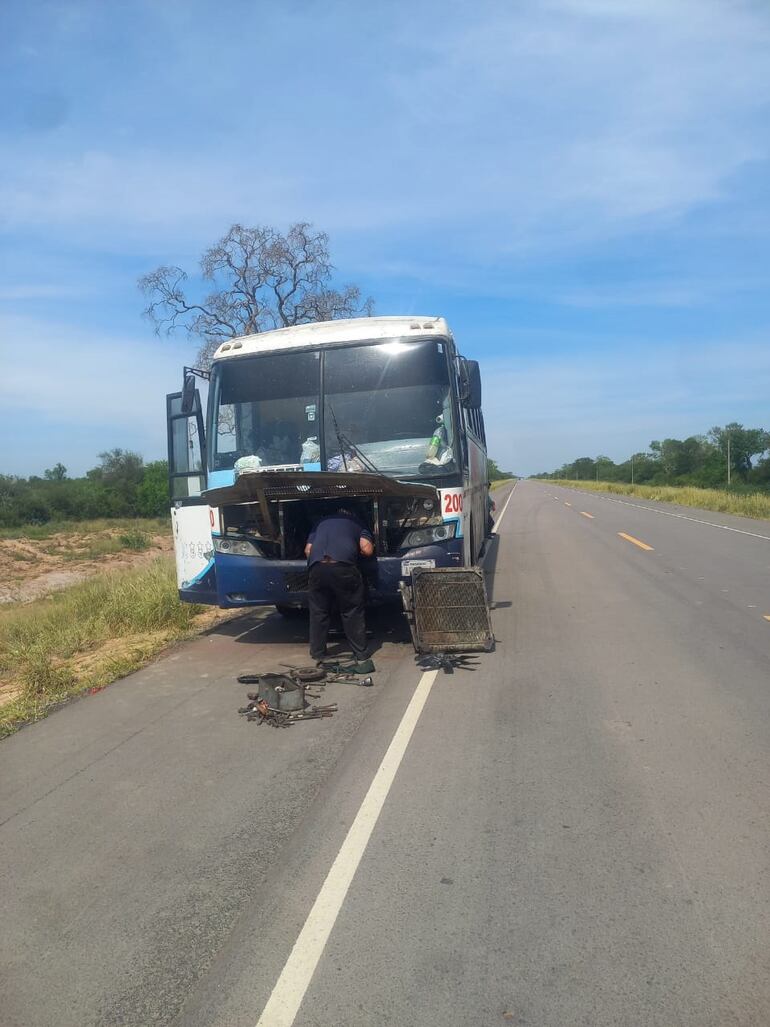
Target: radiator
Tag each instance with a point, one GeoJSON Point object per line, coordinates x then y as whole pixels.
{"type": "Point", "coordinates": [447, 610]}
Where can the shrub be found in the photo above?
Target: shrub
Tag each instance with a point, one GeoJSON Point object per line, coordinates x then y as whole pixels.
{"type": "Point", "coordinates": [134, 539]}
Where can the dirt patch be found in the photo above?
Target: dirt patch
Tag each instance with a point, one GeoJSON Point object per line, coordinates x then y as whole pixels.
{"type": "Point", "coordinates": [31, 569]}
{"type": "Point", "coordinates": [9, 690]}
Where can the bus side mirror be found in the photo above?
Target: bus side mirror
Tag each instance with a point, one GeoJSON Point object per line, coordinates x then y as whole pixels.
{"type": "Point", "coordinates": [188, 394]}
{"type": "Point", "coordinates": [471, 384]}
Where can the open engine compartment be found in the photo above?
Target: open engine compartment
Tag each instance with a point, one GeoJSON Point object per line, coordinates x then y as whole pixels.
{"type": "Point", "coordinates": [389, 520]}
{"type": "Point", "coordinates": [276, 511]}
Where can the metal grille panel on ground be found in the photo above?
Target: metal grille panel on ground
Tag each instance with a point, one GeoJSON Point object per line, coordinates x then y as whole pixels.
{"type": "Point", "coordinates": [447, 609]}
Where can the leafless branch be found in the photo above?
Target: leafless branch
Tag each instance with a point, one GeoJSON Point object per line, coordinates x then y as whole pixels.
{"type": "Point", "coordinates": [260, 279]}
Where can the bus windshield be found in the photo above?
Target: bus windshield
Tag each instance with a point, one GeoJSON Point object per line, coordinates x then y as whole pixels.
{"type": "Point", "coordinates": [387, 407]}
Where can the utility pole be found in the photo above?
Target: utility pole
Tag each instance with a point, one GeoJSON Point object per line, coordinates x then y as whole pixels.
{"type": "Point", "coordinates": [632, 468]}
{"type": "Point", "coordinates": [728, 460]}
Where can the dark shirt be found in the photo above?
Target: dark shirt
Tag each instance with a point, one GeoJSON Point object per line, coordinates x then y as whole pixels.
{"type": "Point", "coordinates": [337, 537]}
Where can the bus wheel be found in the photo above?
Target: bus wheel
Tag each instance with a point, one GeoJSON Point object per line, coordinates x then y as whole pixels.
{"type": "Point", "coordinates": [290, 612]}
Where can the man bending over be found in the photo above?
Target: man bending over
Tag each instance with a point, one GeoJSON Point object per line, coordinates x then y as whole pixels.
{"type": "Point", "coordinates": [332, 552]}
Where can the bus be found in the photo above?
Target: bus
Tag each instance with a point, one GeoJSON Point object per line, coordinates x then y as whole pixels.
{"type": "Point", "coordinates": [380, 415]}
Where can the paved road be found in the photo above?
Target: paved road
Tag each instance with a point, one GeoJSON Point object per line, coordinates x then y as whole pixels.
{"type": "Point", "coordinates": [576, 833]}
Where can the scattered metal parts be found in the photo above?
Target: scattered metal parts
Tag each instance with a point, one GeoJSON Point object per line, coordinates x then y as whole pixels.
{"type": "Point", "coordinates": [281, 699]}
{"type": "Point", "coordinates": [344, 679]}
{"type": "Point", "coordinates": [305, 674]}
{"type": "Point", "coordinates": [448, 662]}
{"type": "Point", "coordinates": [261, 712]}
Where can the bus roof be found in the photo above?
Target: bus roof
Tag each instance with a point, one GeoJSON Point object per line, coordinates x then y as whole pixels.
{"type": "Point", "coordinates": [330, 333]}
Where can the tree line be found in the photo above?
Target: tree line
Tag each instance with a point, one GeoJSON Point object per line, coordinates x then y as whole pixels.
{"type": "Point", "coordinates": [495, 474]}
{"type": "Point", "coordinates": [121, 485]}
{"type": "Point", "coordinates": [700, 460]}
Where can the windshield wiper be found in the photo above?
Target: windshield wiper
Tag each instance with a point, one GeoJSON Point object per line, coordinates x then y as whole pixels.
{"type": "Point", "coordinates": [343, 441]}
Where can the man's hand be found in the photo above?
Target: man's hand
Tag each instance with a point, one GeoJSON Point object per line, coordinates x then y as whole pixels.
{"type": "Point", "coordinates": [308, 547]}
{"type": "Point", "coordinates": [365, 546]}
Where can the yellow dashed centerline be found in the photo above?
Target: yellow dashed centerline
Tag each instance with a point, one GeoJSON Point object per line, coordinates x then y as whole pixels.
{"type": "Point", "coordinates": [766, 616]}
{"type": "Point", "coordinates": [635, 541]}
{"type": "Point", "coordinates": [584, 514]}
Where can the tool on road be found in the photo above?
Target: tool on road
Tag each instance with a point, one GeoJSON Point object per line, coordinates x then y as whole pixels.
{"type": "Point", "coordinates": [343, 679]}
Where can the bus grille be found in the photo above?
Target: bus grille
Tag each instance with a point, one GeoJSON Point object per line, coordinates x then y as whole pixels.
{"type": "Point", "coordinates": [450, 612]}
{"type": "Point", "coordinates": [296, 581]}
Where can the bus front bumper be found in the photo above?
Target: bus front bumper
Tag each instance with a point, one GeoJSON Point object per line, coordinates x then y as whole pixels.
{"type": "Point", "coordinates": [249, 581]}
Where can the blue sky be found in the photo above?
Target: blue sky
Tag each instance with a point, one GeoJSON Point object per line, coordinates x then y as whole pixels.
{"type": "Point", "coordinates": [582, 187]}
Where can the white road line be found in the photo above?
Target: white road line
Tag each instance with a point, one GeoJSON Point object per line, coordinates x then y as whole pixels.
{"type": "Point", "coordinates": [290, 988]}
{"type": "Point", "coordinates": [249, 630]}
{"type": "Point", "coordinates": [681, 517]}
{"type": "Point", "coordinates": [502, 512]}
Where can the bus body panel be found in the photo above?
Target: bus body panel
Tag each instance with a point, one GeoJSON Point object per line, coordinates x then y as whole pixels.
{"type": "Point", "coordinates": [476, 500]}
{"type": "Point", "coordinates": [192, 525]}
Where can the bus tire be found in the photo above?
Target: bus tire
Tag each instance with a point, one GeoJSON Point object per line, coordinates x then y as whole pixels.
{"type": "Point", "coordinates": [290, 612]}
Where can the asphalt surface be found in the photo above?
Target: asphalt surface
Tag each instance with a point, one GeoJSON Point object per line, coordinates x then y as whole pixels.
{"type": "Point", "coordinates": [577, 832]}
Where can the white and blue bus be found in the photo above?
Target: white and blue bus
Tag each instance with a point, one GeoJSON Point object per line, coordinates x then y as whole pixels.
{"type": "Point", "coordinates": [381, 415]}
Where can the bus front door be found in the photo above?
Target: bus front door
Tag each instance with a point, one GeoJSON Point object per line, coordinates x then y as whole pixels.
{"type": "Point", "coordinates": [192, 519]}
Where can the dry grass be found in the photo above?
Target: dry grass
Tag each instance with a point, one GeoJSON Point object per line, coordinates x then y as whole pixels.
{"type": "Point", "coordinates": [86, 636]}
{"type": "Point", "coordinates": [43, 559]}
{"type": "Point", "coordinates": [743, 504]}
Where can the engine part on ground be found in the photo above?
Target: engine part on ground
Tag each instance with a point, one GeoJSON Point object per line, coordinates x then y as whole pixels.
{"type": "Point", "coordinates": [305, 674]}
{"type": "Point", "coordinates": [447, 610]}
{"type": "Point", "coordinates": [448, 662]}
{"type": "Point", "coordinates": [281, 692]}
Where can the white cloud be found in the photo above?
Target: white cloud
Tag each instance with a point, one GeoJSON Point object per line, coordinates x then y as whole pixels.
{"type": "Point", "coordinates": [496, 131]}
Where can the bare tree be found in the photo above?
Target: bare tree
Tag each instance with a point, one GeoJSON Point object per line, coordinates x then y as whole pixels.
{"type": "Point", "coordinates": [260, 280]}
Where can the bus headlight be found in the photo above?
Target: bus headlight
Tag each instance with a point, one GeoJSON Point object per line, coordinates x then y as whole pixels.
{"type": "Point", "coordinates": [234, 546]}
{"type": "Point", "coordinates": [425, 536]}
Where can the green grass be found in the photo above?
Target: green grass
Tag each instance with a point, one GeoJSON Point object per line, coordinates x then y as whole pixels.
{"type": "Point", "coordinates": [43, 644]}
{"type": "Point", "coordinates": [99, 547]}
{"type": "Point", "coordinates": [127, 525]}
{"type": "Point", "coordinates": [134, 539]}
{"type": "Point", "coordinates": [743, 504]}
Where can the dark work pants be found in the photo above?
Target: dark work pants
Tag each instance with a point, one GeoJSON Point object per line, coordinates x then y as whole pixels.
{"type": "Point", "coordinates": [340, 585]}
